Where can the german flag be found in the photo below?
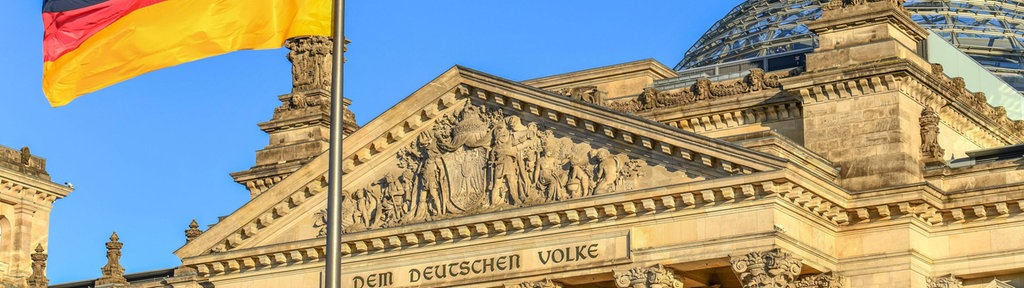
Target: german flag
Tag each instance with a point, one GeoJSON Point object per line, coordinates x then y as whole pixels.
{"type": "Point", "coordinates": [91, 44]}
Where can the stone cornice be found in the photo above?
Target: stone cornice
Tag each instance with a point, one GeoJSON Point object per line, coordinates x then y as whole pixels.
{"type": "Point", "coordinates": [867, 14]}
{"type": "Point", "coordinates": [985, 128]}
{"type": "Point", "coordinates": [42, 192]}
{"type": "Point", "coordinates": [650, 67]}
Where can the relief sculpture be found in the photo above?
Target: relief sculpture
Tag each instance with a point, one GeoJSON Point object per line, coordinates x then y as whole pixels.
{"type": "Point", "coordinates": [478, 160]}
{"type": "Point", "coordinates": [703, 90]}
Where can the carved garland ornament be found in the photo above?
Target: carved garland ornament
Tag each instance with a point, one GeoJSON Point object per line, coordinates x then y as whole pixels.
{"type": "Point", "coordinates": [650, 277]}
{"type": "Point", "coordinates": [703, 90]}
{"type": "Point", "coordinates": [768, 269]}
{"type": "Point", "coordinates": [839, 4]}
{"type": "Point", "coordinates": [478, 160]}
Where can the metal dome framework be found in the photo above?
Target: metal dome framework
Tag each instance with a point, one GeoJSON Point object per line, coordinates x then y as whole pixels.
{"type": "Point", "coordinates": [990, 31]}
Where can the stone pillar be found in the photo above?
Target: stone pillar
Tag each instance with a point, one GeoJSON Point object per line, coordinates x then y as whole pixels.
{"type": "Point", "coordinates": [193, 231]}
{"type": "Point", "coordinates": [861, 119]}
{"type": "Point", "coordinates": [300, 127]}
{"type": "Point", "coordinates": [948, 281]}
{"type": "Point", "coordinates": [38, 278]}
{"type": "Point", "coordinates": [546, 283]}
{"type": "Point", "coordinates": [113, 273]}
{"type": "Point", "coordinates": [656, 276]}
{"type": "Point", "coordinates": [766, 269]}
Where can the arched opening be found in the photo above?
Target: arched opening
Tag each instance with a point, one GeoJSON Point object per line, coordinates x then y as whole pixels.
{"type": "Point", "coordinates": [6, 244]}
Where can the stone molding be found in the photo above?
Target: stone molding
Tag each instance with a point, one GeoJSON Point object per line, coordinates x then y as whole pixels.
{"type": "Point", "coordinates": [656, 276]}
{"type": "Point", "coordinates": [755, 115]}
{"type": "Point", "coordinates": [969, 116]}
{"type": "Point", "coordinates": [766, 269]}
{"type": "Point", "coordinates": [39, 192]}
{"type": "Point", "coordinates": [269, 217]}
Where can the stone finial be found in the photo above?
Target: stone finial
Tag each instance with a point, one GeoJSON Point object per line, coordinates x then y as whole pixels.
{"type": "Point", "coordinates": [193, 231]}
{"type": "Point", "coordinates": [823, 280]}
{"type": "Point", "coordinates": [546, 283]}
{"type": "Point", "coordinates": [654, 276]}
{"type": "Point", "coordinates": [766, 269]}
{"type": "Point", "coordinates": [113, 273]}
{"type": "Point", "coordinates": [930, 149]}
{"type": "Point", "coordinates": [38, 278]}
{"type": "Point", "coordinates": [948, 281]}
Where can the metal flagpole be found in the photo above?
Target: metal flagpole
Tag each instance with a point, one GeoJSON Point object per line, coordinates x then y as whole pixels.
{"type": "Point", "coordinates": [333, 269]}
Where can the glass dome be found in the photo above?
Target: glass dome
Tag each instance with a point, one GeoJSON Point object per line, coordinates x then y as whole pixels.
{"type": "Point", "coordinates": [991, 32]}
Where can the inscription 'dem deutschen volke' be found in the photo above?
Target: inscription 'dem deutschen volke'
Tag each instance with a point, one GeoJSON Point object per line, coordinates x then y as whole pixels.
{"type": "Point", "coordinates": [455, 270]}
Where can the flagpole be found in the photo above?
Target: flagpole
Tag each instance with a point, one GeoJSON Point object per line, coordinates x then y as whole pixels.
{"type": "Point", "coordinates": [333, 266]}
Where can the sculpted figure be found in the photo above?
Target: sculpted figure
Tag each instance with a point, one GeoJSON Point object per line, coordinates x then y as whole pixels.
{"type": "Point", "coordinates": [930, 134]}
{"type": "Point", "coordinates": [504, 183]}
{"type": "Point", "coordinates": [551, 179]}
{"type": "Point", "coordinates": [471, 131]}
{"type": "Point", "coordinates": [648, 98]}
{"type": "Point", "coordinates": [351, 218]}
{"type": "Point", "coordinates": [580, 180]}
{"type": "Point", "coordinates": [702, 89]}
{"type": "Point", "coordinates": [607, 172]}
{"type": "Point", "coordinates": [755, 80]}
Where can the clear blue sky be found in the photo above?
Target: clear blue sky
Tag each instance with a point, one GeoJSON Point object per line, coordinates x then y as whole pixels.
{"type": "Point", "coordinates": [150, 154]}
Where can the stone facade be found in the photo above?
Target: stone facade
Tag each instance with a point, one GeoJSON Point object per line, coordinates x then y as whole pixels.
{"type": "Point", "coordinates": [837, 174]}
{"type": "Point", "coordinates": [26, 198]}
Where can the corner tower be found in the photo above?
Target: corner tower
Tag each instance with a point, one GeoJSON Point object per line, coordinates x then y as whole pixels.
{"type": "Point", "coordinates": [26, 199]}
{"type": "Point", "coordinates": [300, 127]}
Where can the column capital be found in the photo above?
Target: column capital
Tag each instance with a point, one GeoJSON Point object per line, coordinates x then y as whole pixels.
{"type": "Point", "coordinates": [766, 269]}
{"type": "Point", "coordinates": [656, 276]}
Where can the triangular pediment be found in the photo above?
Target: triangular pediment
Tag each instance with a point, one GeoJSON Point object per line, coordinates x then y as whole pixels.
{"type": "Point", "coordinates": [470, 143]}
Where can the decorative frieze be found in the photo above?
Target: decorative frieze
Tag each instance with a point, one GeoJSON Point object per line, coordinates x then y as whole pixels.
{"type": "Point", "coordinates": [656, 276]}
{"type": "Point", "coordinates": [766, 269]}
{"type": "Point", "coordinates": [703, 90]}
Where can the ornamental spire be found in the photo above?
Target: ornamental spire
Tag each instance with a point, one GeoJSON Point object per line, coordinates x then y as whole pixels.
{"type": "Point", "coordinates": [193, 231]}
{"type": "Point", "coordinates": [38, 278]}
{"type": "Point", "coordinates": [113, 273]}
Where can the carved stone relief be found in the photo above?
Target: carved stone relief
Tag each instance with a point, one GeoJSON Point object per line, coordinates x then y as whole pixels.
{"type": "Point", "coordinates": [588, 94]}
{"type": "Point", "coordinates": [766, 269]}
{"type": "Point", "coordinates": [838, 4]}
{"type": "Point", "coordinates": [930, 149]}
{"type": "Point", "coordinates": [823, 280]}
{"type": "Point", "coordinates": [546, 283]}
{"type": "Point", "coordinates": [656, 276]}
{"type": "Point", "coordinates": [948, 281]}
{"type": "Point", "coordinates": [311, 62]}
{"type": "Point", "coordinates": [702, 90]}
{"type": "Point", "coordinates": [478, 160]}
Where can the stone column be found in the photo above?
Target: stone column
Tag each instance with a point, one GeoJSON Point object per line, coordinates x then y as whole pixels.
{"type": "Point", "coordinates": [766, 269]}
{"type": "Point", "coordinates": [546, 283]}
{"type": "Point", "coordinates": [656, 276]}
{"type": "Point", "coordinates": [113, 273]}
{"type": "Point", "coordinates": [38, 278]}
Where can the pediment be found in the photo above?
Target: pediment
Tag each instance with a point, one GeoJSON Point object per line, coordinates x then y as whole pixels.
{"type": "Point", "coordinates": [469, 143]}
{"type": "Point", "coordinates": [475, 143]}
